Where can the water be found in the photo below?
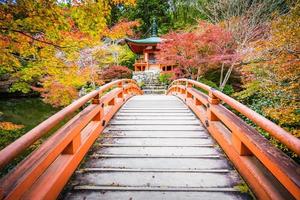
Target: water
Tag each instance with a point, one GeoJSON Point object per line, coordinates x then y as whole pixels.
{"type": "Point", "coordinates": [25, 111]}
{"type": "Point", "coordinates": [28, 112]}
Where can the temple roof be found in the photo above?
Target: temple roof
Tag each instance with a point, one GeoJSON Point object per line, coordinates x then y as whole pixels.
{"type": "Point", "coordinates": [138, 46]}
{"type": "Point", "coordinates": [150, 40]}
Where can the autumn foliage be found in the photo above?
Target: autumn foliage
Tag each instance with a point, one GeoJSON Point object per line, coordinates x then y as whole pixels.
{"type": "Point", "coordinates": [42, 45]}
{"type": "Point", "coordinates": [9, 126]}
{"type": "Point", "coordinates": [116, 72]}
{"type": "Point", "coordinates": [195, 52]}
{"type": "Point", "coordinates": [271, 84]}
{"type": "Point", "coordinates": [121, 29]}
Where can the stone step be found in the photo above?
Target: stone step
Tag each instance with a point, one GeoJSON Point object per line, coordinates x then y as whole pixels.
{"type": "Point", "coordinates": [154, 91]}
{"type": "Point", "coordinates": [153, 84]}
{"type": "Point", "coordinates": [153, 87]}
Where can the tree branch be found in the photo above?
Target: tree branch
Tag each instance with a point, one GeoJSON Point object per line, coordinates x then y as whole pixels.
{"type": "Point", "coordinates": [32, 37]}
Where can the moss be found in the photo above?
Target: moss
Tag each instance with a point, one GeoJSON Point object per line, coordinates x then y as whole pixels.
{"type": "Point", "coordinates": [243, 188]}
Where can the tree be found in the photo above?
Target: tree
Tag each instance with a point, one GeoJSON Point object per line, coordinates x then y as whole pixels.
{"type": "Point", "coordinates": [196, 52]}
{"type": "Point", "coordinates": [115, 72]}
{"type": "Point", "coordinates": [246, 20]}
{"type": "Point", "coordinates": [144, 11]}
{"type": "Point", "coordinates": [185, 13]}
{"type": "Point", "coordinates": [273, 86]}
{"type": "Point", "coordinates": [41, 41]}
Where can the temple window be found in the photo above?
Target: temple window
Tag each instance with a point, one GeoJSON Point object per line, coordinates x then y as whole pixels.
{"type": "Point", "coordinates": [152, 58]}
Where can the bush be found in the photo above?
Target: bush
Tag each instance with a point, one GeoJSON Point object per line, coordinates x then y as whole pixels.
{"type": "Point", "coordinates": [166, 77]}
{"type": "Point", "coordinates": [58, 94]}
{"type": "Point", "coordinates": [115, 72]}
{"type": "Point", "coordinates": [228, 89]}
{"type": "Point", "coordinates": [256, 99]}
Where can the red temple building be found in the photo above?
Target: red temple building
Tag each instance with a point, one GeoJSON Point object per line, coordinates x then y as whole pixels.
{"type": "Point", "coordinates": [147, 51]}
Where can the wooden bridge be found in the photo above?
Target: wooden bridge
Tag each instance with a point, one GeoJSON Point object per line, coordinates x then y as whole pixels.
{"type": "Point", "coordinates": [188, 144]}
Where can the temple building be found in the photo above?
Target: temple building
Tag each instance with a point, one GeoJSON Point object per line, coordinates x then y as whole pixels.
{"type": "Point", "coordinates": [147, 51]}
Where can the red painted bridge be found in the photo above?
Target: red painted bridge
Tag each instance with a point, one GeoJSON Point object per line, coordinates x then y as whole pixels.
{"type": "Point", "coordinates": [187, 144]}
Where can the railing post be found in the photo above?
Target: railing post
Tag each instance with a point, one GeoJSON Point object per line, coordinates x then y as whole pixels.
{"type": "Point", "coordinates": [238, 145]}
{"type": "Point", "coordinates": [121, 94]}
{"type": "Point", "coordinates": [187, 94]}
{"type": "Point", "coordinates": [212, 100]}
{"type": "Point", "coordinates": [99, 115]}
{"type": "Point", "coordinates": [181, 91]}
{"type": "Point", "coordinates": [125, 92]}
{"type": "Point", "coordinates": [176, 88]}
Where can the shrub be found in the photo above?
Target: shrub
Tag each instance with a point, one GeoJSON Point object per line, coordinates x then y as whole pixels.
{"type": "Point", "coordinates": [115, 72]}
{"type": "Point", "coordinates": [58, 94]}
{"type": "Point", "coordinates": [166, 77]}
{"type": "Point", "coordinates": [228, 89]}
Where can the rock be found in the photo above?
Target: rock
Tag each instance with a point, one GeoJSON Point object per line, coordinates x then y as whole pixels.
{"type": "Point", "coordinates": [149, 81]}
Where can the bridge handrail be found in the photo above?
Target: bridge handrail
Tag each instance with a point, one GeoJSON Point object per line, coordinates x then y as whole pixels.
{"type": "Point", "coordinates": [273, 129]}
{"type": "Point", "coordinates": [14, 149]}
{"type": "Point", "coordinates": [54, 161]}
{"type": "Point", "coordinates": [243, 144]}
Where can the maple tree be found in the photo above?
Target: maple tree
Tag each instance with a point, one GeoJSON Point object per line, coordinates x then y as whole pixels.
{"type": "Point", "coordinates": [121, 29]}
{"type": "Point", "coordinates": [246, 20]}
{"type": "Point", "coordinates": [112, 51]}
{"type": "Point", "coordinates": [272, 83]}
{"type": "Point", "coordinates": [40, 42]}
{"type": "Point", "coordinates": [115, 72]}
{"type": "Point", "coordinates": [195, 52]}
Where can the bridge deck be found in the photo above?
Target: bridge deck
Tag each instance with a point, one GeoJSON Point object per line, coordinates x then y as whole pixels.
{"type": "Point", "coordinates": [155, 148]}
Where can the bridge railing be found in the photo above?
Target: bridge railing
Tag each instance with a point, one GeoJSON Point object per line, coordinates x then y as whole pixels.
{"type": "Point", "coordinates": [269, 172]}
{"type": "Point", "coordinates": [45, 171]}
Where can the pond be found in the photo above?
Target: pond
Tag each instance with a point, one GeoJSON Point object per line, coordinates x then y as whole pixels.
{"type": "Point", "coordinates": [28, 112]}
